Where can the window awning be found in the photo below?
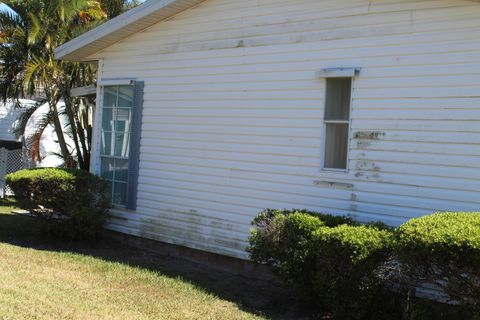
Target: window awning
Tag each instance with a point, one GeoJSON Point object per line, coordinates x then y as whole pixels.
{"type": "Point", "coordinates": [338, 73]}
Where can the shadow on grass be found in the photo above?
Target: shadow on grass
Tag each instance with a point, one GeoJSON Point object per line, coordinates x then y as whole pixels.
{"type": "Point", "coordinates": [259, 297]}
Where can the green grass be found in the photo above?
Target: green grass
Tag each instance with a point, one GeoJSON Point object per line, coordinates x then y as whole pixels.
{"type": "Point", "coordinates": [39, 283]}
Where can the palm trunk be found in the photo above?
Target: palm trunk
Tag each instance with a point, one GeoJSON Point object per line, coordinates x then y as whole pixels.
{"type": "Point", "coordinates": [73, 124]}
{"type": "Point", "coordinates": [83, 142]}
{"type": "Point", "coordinates": [52, 102]}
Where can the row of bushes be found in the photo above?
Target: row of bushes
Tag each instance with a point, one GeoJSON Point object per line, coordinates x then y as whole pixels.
{"type": "Point", "coordinates": [350, 269]}
{"type": "Point", "coordinates": [74, 202]}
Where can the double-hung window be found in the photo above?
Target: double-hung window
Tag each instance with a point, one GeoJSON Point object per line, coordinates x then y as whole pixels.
{"type": "Point", "coordinates": [119, 141]}
{"type": "Point", "coordinates": [337, 117]}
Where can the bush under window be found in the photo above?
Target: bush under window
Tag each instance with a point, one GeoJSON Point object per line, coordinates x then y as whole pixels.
{"type": "Point", "coordinates": [332, 260]}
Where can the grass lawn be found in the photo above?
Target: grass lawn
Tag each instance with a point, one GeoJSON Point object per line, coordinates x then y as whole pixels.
{"type": "Point", "coordinates": [41, 280]}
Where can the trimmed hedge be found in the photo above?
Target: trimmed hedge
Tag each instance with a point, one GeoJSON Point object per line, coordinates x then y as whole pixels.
{"type": "Point", "coordinates": [444, 249]}
{"type": "Point", "coordinates": [368, 271]}
{"type": "Point", "coordinates": [283, 240]}
{"type": "Point", "coordinates": [348, 277]}
{"type": "Point", "coordinates": [74, 201]}
{"type": "Point", "coordinates": [331, 260]}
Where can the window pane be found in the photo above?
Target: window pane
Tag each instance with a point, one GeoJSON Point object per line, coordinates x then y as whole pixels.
{"type": "Point", "coordinates": [107, 144]}
{"type": "Point", "coordinates": [336, 146]}
{"type": "Point", "coordinates": [115, 142]}
{"type": "Point", "coordinates": [120, 193]}
{"type": "Point", "coordinates": [122, 144]}
{"type": "Point", "coordinates": [122, 119]}
{"type": "Point", "coordinates": [121, 170]}
{"type": "Point", "coordinates": [337, 106]}
{"type": "Point", "coordinates": [107, 119]}
{"type": "Point", "coordinates": [125, 96]}
{"type": "Point", "coordinates": [107, 168]}
{"type": "Point", "coordinates": [110, 96]}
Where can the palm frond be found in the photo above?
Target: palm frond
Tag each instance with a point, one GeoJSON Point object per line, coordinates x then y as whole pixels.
{"type": "Point", "coordinates": [35, 29]}
{"type": "Point", "coordinates": [33, 141]}
{"type": "Point", "coordinates": [22, 122]}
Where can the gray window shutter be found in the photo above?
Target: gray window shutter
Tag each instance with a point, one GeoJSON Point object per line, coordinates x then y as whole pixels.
{"type": "Point", "coordinates": [134, 159]}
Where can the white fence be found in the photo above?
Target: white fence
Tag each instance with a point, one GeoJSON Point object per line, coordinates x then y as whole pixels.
{"type": "Point", "coordinates": [11, 161]}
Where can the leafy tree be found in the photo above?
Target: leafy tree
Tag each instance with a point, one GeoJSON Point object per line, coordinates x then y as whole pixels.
{"type": "Point", "coordinates": [114, 8]}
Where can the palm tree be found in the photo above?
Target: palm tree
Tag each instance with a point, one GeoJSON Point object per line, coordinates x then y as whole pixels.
{"type": "Point", "coordinates": [28, 40]}
{"type": "Point", "coordinates": [41, 26]}
{"type": "Point", "coordinates": [114, 8]}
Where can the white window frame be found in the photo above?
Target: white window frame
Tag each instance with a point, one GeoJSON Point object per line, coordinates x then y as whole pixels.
{"type": "Point", "coordinates": [325, 74]}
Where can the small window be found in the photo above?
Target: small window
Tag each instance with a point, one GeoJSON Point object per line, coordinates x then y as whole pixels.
{"type": "Point", "coordinates": [337, 122]}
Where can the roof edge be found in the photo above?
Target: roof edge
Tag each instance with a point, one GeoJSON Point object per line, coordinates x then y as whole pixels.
{"type": "Point", "coordinates": [121, 22]}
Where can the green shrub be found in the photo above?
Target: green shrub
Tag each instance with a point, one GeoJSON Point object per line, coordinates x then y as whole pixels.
{"type": "Point", "coordinates": [283, 240]}
{"type": "Point", "coordinates": [331, 260]}
{"type": "Point", "coordinates": [327, 219]}
{"type": "Point", "coordinates": [281, 235]}
{"type": "Point", "coordinates": [443, 249]}
{"type": "Point", "coordinates": [348, 277]}
{"type": "Point", "coordinates": [74, 201]}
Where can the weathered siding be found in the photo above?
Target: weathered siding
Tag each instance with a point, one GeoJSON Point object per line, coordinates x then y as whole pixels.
{"type": "Point", "coordinates": [233, 114]}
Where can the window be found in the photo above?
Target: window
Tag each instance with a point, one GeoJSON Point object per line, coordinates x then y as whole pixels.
{"type": "Point", "coordinates": [337, 122]}
{"type": "Point", "coordinates": [119, 141]}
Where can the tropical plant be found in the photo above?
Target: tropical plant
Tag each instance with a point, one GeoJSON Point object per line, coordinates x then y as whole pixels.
{"type": "Point", "coordinates": [114, 8]}
{"type": "Point", "coordinates": [29, 35]}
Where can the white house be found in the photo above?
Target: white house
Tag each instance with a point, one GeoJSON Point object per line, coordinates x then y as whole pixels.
{"type": "Point", "coordinates": [210, 111]}
{"type": "Point", "coordinates": [8, 117]}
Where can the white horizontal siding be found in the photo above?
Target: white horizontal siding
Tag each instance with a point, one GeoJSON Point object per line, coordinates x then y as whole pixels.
{"type": "Point", "coordinates": [233, 114]}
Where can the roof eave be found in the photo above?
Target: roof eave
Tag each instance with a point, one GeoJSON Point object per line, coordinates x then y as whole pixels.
{"type": "Point", "coordinates": [113, 31]}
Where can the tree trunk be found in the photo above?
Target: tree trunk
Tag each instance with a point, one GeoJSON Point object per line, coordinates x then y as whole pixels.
{"type": "Point", "coordinates": [52, 102]}
{"type": "Point", "coordinates": [73, 124]}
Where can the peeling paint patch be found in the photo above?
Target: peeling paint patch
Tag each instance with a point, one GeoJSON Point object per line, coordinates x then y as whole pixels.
{"type": "Point", "coordinates": [368, 175]}
{"type": "Point", "coordinates": [368, 135]}
{"type": "Point", "coordinates": [367, 165]}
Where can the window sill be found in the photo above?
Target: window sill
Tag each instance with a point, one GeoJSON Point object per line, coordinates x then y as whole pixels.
{"type": "Point", "coordinates": [332, 178]}
{"type": "Point", "coordinates": [335, 171]}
